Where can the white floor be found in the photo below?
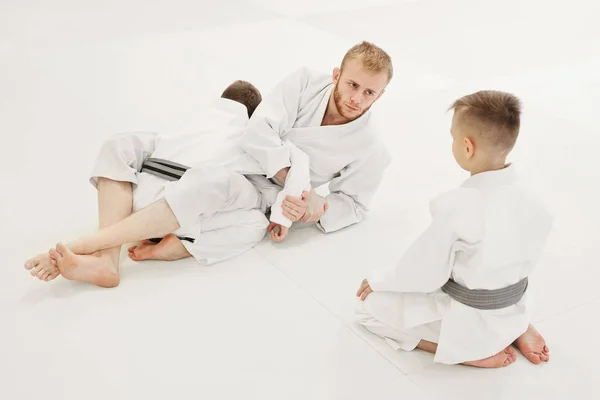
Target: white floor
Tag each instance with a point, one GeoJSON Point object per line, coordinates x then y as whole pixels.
{"type": "Point", "coordinates": [276, 322]}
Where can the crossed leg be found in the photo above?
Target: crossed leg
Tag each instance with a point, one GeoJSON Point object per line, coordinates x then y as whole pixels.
{"type": "Point", "coordinates": [101, 267]}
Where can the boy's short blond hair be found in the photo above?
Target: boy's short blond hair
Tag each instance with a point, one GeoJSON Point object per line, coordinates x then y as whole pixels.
{"type": "Point", "coordinates": [495, 116]}
{"type": "Point", "coordinates": [374, 59]}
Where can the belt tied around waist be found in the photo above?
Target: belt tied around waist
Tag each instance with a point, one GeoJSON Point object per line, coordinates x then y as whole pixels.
{"type": "Point", "coordinates": [165, 169]}
{"type": "Point", "coordinates": [484, 299]}
{"type": "Point", "coordinates": [170, 171]}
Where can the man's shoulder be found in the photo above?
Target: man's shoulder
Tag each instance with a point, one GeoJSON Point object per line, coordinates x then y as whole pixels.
{"type": "Point", "coordinates": [310, 78]}
{"type": "Point", "coordinates": [312, 73]}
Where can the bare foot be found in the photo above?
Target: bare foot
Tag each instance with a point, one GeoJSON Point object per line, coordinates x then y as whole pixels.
{"type": "Point", "coordinates": [96, 268]}
{"type": "Point", "coordinates": [41, 267]}
{"type": "Point", "coordinates": [168, 249]}
{"type": "Point", "coordinates": [502, 359]}
{"type": "Point", "coordinates": [532, 345]}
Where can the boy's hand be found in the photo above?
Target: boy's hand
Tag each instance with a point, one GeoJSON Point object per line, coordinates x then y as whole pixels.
{"type": "Point", "coordinates": [278, 232]}
{"type": "Point", "coordinates": [364, 290]}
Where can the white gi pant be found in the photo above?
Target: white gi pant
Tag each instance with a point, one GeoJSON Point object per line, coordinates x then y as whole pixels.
{"type": "Point", "coordinates": [220, 209]}
{"type": "Point", "coordinates": [382, 313]}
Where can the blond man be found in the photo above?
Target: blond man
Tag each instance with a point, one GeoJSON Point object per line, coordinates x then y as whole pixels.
{"type": "Point", "coordinates": [312, 129]}
{"type": "Point", "coordinates": [326, 117]}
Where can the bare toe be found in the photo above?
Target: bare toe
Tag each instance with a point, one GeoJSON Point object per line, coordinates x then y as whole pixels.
{"type": "Point", "coordinates": [52, 276]}
{"type": "Point", "coordinates": [132, 248]}
{"type": "Point", "coordinates": [501, 359]}
{"type": "Point", "coordinates": [29, 264]}
{"type": "Point", "coordinates": [32, 262]}
{"type": "Point", "coordinates": [34, 271]}
{"type": "Point", "coordinates": [61, 249]}
{"type": "Point", "coordinates": [143, 251]}
{"type": "Point", "coordinates": [532, 345]}
{"type": "Point", "coordinates": [41, 272]}
{"type": "Point", "coordinates": [55, 255]}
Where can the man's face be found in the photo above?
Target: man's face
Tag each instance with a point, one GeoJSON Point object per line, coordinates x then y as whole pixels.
{"type": "Point", "coordinates": [356, 89]}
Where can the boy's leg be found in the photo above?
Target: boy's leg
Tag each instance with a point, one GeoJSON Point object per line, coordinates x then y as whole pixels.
{"type": "Point", "coordinates": [170, 248]}
{"type": "Point", "coordinates": [201, 191]}
{"type": "Point", "coordinates": [115, 201]}
{"type": "Point", "coordinates": [226, 191]}
{"type": "Point", "coordinates": [382, 314]}
{"type": "Point", "coordinates": [216, 238]}
{"type": "Point", "coordinates": [119, 159]}
{"type": "Point", "coordinates": [502, 359]}
{"type": "Point", "coordinates": [155, 220]}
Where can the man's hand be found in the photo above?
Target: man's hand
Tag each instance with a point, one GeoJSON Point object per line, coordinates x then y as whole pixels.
{"type": "Point", "coordinates": [364, 290]}
{"type": "Point", "coordinates": [316, 207]}
{"type": "Point", "coordinates": [294, 208]}
{"type": "Point", "coordinates": [281, 176]}
{"type": "Point", "coordinates": [278, 232]}
{"type": "Point", "coordinates": [310, 208]}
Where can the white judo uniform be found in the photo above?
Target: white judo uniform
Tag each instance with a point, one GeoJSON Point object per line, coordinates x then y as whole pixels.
{"type": "Point", "coordinates": [487, 234]}
{"type": "Point", "coordinates": [213, 203]}
{"type": "Point", "coordinates": [350, 157]}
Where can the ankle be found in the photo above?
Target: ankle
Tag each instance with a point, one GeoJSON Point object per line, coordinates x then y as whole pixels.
{"type": "Point", "coordinates": [78, 247]}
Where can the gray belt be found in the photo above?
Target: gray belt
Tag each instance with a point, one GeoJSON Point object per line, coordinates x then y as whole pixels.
{"type": "Point", "coordinates": [165, 169]}
{"type": "Point", "coordinates": [483, 299]}
{"type": "Point", "coordinates": [168, 170]}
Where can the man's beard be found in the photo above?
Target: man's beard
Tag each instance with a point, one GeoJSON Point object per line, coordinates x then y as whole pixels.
{"type": "Point", "coordinates": [341, 107]}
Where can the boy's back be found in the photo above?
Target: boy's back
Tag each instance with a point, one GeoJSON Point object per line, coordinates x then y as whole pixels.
{"type": "Point", "coordinates": [512, 226]}
{"type": "Point", "coordinates": [498, 243]}
{"type": "Point", "coordinates": [460, 291]}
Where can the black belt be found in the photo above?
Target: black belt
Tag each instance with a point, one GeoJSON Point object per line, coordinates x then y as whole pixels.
{"type": "Point", "coordinates": [165, 169]}
{"type": "Point", "coordinates": [170, 171]}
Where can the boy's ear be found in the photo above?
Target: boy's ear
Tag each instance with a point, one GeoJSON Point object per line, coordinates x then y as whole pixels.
{"type": "Point", "coordinates": [469, 147]}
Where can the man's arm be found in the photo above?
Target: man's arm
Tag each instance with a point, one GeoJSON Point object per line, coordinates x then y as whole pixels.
{"type": "Point", "coordinates": [297, 180]}
{"type": "Point", "coordinates": [263, 140]}
{"type": "Point", "coordinates": [273, 118]}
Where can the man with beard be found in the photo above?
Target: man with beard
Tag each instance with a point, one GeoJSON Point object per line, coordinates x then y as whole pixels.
{"type": "Point", "coordinates": [310, 117]}
{"type": "Point", "coordinates": [328, 120]}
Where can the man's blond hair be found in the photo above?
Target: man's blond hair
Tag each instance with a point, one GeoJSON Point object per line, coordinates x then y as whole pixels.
{"type": "Point", "coordinates": [496, 116]}
{"type": "Point", "coordinates": [373, 58]}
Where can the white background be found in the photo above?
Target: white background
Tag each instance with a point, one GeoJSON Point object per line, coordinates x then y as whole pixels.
{"type": "Point", "coordinates": [276, 322]}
